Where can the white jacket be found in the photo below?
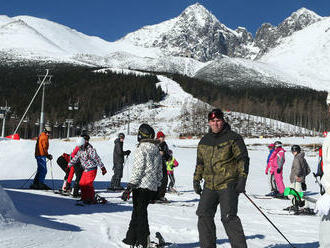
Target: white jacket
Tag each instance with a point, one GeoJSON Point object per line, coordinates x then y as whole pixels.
{"type": "Point", "coordinates": [323, 203]}
{"type": "Point", "coordinates": [147, 169]}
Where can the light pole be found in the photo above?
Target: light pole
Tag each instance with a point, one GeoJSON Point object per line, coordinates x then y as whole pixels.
{"type": "Point", "coordinates": [72, 107]}
{"type": "Point", "coordinates": [46, 81]}
{"type": "Point", "coordinates": [3, 113]}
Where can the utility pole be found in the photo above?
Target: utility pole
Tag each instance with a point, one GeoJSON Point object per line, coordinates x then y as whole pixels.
{"type": "Point", "coordinates": [129, 119]}
{"type": "Point", "coordinates": [46, 81]}
{"type": "Point", "coordinates": [3, 112]}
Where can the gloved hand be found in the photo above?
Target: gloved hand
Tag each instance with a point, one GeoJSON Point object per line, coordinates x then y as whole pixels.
{"type": "Point", "coordinates": [303, 186]}
{"type": "Point", "coordinates": [128, 152]}
{"type": "Point", "coordinates": [49, 156]}
{"type": "Point", "coordinates": [279, 170]}
{"type": "Point", "coordinates": [126, 195]}
{"type": "Point", "coordinates": [266, 172]}
{"type": "Point", "coordinates": [104, 170]}
{"type": "Point", "coordinates": [240, 187]}
{"type": "Point", "coordinates": [197, 187]}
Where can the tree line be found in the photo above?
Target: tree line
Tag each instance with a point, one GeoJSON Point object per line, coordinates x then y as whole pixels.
{"type": "Point", "coordinates": [303, 107]}
{"type": "Point", "coordinates": [95, 95]}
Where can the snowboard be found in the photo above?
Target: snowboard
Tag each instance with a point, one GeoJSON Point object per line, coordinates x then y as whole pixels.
{"type": "Point", "coordinates": [99, 201]}
{"type": "Point", "coordinates": [62, 192]}
{"type": "Point", "coordinates": [161, 242]}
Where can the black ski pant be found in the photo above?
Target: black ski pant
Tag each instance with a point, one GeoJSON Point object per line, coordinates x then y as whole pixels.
{"type": "Point", "coordinates": [138, 230]}
{"type": "Point", "coordinates": [63, 164]}
{"type": "Point", "coordinates": [117, 175]}
{"type": "Point", "coordinates": [228, 200]}
{"type": "Point", "coordinates": [172, 181]}
{"type": "Point", "coordinates": [78, 170]}
{"type": "Point", "coordinates": [162, 189]}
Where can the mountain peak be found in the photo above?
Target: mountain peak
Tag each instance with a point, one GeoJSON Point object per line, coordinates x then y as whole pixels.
{"type": "Point", "coordinates": [200, 13]}
{"type": "Point", "coordinates": [305, 11]}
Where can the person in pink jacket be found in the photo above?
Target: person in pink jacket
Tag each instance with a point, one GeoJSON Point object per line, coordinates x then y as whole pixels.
{"type": "Point", "coordinates": [276, 162]}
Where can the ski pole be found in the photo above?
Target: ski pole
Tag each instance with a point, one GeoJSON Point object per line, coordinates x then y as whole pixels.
{"type": "Point", "coordinates": [28, 179]}
{"type": "Point", "coordinates": [268, 219]}
{"type": "Point", "coordinates": [51, 172]}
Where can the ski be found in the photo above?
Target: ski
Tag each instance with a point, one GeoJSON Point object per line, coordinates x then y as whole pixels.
{"type": "Point", "coordinates": [261, 196]}
{"type": "Point", "coordinates": [61, 192]}
{"type": "Point", "coordinates": [174, 204]}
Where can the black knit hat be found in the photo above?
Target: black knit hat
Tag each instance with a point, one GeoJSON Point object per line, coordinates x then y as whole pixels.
{"type": "Point", "coordinates": [215, 113]}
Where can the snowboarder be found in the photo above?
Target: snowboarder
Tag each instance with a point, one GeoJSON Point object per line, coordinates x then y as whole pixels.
{"type": "Point", "coordinates": [118, 162]}
{"type": "Point", "coordinates": [89, 160]}
{"type": "Point", "coordinates": [63, 162]}
{"type": "Point", "coordinates": [223, 163]}
{"type": "Point", "coordinates": [145, 179]}
{"type": "Point", "coordinates": [170, 164]}
{"type": "Point", "coordinates": [41, 154]}
{"type": "Point", "coordinates": [163, 148]}
{"type": "Point", "coordinates": [323, 203]}
{"type": "Point", "coordinates": [276, 162]}
{"type": "Point", "coordinates": [299, 170]}
{"type": "Point", "coordinates": [273, 189]}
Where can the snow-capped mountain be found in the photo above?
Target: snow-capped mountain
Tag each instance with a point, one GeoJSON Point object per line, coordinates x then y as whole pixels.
{"type": "Point", "coordinates": [195, 33]}
{"type": "Point", "coordinates": [269, 36]}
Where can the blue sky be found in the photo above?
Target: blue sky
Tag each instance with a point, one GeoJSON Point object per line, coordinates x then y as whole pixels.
{"type": "Point", "coordinates": [112, 19]}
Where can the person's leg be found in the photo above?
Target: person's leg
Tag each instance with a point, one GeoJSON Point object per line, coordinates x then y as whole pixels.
{"type": "Point", "coordinates": [120, 176]}
{"type": "Point", "coordinates": [90, 192]}
{"type": "Point", "coordinates": [172, 181]}
{"type": "Point", "coordinates": [131, 235]}
{"type": "Point", "coordinates": [279, 181]}
{"type": "Point", "coordinates": [82, 184]}
{"type": "Point", "coordinates": [115, 178]}
{"type": "Point", "coordinates": [206, 210]}
{"type": "Point", "coordinates": [162, 188]}
{"type": "Point", "coordinates": [42, 169]}
{"type": "Point", "coordinates": [78, 170]}
{"type": "Point", "coordinates": [228, 205]}
{"type": "Point", "coordinates": [142, 224]}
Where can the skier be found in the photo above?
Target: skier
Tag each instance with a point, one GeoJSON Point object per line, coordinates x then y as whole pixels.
{"type": "Point", "coordinates": [163, 148]}
{"type": "Point", "coordinates": [145, 179]}
{"type": "Point", "coordinates": [118, 162]}
{"type": "Point", "coordinates": [323, 203]}
{"type": "Point", "coordinates": [273, 189]}
{"type": "Point", "coordinates": [89, 160]}
{"type": "Point", "coordinates": [299, 170]}
{"type": "Point", "coordinates": [276, 161]}
{"type": "Point", "coordinates": [170, 164]}
{"type": "Point", "coordinates": [223, 163]}
{"type": "Point", "coordinates": [319, 172]}
{"type": "Point", "coordinates": [41, 154]}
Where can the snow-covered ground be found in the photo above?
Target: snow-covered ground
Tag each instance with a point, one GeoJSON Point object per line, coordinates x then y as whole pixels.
{"type": "Point", "coordinates": [44, 219]}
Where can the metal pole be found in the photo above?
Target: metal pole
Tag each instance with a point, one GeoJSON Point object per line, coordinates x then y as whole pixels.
{"type": "Point", "coordinates": [42, 114]}
{"type": "Point", "coordinates": [27, 109]}
{"type": "Point", "coordinates": [3, 126]}
{"type": "Point", "coordinates": [128, 120]}
{"type": "Point", "coordinates": [68, 131]}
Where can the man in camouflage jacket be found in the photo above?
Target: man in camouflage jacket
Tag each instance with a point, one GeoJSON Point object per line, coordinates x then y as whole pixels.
{"type": "Point", "coordinates": [223, 163]}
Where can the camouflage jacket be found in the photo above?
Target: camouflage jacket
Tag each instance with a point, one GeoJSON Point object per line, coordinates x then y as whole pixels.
{"type": "Point", "coordinates": [221, 159]}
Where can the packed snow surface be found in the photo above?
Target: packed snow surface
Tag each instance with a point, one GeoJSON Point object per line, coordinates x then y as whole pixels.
{"type": "Point", "coordinates": [44, 219]}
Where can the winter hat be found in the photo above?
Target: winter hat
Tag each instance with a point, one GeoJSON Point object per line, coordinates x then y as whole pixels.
{"type": "Point", "coordinates": [85, 136]}
{"type": "Point", "coordinates": [48, 129]}
{"type": "Point", "coordinates": [215, 113]}
{"type": "Point", "coordinates": [271, 145]}
{"type": "Point", "coordinates": [121, 135]}
{"type": "Point", "coordinates": [160, 134]}
{"type": "Point", "coordinates": [145, 132]}
{"type": "Point", "coordinates": [80, 141]}
{"type": "Point", "coordinates": [295, 148]}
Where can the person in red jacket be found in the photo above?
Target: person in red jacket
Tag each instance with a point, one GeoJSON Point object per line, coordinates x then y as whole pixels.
{"type": "Point", "coordinates": [41, 154]}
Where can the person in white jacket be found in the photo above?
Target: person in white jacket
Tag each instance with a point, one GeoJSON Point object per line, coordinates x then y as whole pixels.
{"type": "Point", "coordinates": [145, 179]}
{"type": "Point", "coordinates": [323, 203]}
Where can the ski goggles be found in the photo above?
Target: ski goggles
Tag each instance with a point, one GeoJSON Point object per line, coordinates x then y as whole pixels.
{"type": "Point", "coordinates": [215, 113]}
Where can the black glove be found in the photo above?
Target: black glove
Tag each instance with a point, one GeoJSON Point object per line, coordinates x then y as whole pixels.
{"type": "Point", "coordinates": [49, 156]}
{"type": "Point", "coordinates": [303, 186]}
{"type": "Point", "coordinates": [279, 170]}
{"type": "Point", "coordinates": [197, 187]}
{"type": "Point", "coordinates": [240, 186]}
{"type": "Point", "coordinates": [128, 152]}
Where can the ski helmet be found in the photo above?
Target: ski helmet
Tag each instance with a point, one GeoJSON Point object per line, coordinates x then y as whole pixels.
{"type": "Point", "coordinates": [277, 144]}
{"type": "Point", "coordinates": [145, 132]}
{"type": "Point", "coordinates": [85, 136]}
{"type": "Point", "coordinates": [295, 148]}
{"type": "Point", "coordinates": [121, 136]}
{"type": "Point", "coordinates": [80, 141]}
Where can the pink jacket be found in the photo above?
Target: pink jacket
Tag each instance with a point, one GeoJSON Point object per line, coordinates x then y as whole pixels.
{"type": "Point", "coordinates": [276, 160]}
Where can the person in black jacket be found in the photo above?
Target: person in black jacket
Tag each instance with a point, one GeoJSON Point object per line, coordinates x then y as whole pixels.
{"type": "Point", "coordinates": [164, 152]}
{"type": "Point", "coordinates": [223, 164]}
{"type": "Point", "coordinates": [118, 162]}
